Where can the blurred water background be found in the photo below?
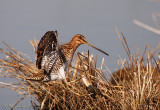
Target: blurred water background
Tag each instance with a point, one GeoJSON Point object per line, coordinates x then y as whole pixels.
{"type": "Point", "coordinates": [21, 21]}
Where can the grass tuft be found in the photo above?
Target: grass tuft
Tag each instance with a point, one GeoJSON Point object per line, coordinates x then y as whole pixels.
{"type": "Point", "coordinates": [135, 85]}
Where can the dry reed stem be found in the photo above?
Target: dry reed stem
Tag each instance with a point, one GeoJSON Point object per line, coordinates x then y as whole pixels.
{"type": "Point", "coordinates": [157, 31]}
{"type": "Point", "coordinates": [142, 80]}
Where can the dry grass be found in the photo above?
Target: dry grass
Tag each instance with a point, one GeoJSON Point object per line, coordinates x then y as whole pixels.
{"type": "Point", "coordinates": [135, 86]}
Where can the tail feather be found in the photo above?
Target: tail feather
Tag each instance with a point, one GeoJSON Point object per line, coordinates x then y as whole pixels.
{"type": "Point", "coordinates": [37, 77]}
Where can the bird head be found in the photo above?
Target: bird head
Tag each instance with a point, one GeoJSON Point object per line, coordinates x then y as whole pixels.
{"type": "Point", "coordinates": [80, 39]}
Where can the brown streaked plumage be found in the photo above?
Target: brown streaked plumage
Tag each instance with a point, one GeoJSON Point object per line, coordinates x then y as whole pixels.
{"type": "Point", "coordinates": [45, 42]}
{"type": "Point", "coordinates": [70, 47]}
{"type": "Point", "coordinates": [53, 57]}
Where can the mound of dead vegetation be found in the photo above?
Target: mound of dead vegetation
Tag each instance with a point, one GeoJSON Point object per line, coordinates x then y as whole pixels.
{"type": "Point", "coordinates": [135, 85]}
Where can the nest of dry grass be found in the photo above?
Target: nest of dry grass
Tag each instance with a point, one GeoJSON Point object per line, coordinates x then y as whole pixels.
{"type": "Point", "coordinates": [135, 86]}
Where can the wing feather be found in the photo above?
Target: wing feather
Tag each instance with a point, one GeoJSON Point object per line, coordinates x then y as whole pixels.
{"type": "Point", "coordinates": [49, 39]}
{"type": "Point", "coordinates": [50, 56]}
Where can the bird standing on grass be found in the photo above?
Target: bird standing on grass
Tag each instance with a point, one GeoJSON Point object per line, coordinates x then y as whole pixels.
{"type": "Point", "coordinates": [53, 58]}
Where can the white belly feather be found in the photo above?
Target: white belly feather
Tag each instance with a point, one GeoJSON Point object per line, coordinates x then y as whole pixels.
{"type": "Point", "coordinates": [59, 75]}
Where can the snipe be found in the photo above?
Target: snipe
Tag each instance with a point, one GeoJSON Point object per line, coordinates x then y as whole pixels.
{"type": "Point", "coordinates": [53, 57]}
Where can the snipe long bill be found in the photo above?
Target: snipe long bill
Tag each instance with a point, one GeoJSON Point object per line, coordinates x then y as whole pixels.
{"type": "Point", "coordinates": [97, 48]}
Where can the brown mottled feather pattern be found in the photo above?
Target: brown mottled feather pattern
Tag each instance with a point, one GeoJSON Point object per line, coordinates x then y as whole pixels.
{"type": "Point", "coordinates": [44, 43]}
{"type": "Point", "coordinates": [68, 52]}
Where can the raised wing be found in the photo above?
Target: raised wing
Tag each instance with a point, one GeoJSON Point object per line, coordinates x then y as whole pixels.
{"type": "Point", "coordinates": [47, 44]}
{"type": "Point", "coordinates": [53, 63]}
{"type": "Point", "coordinates": [50, 59]}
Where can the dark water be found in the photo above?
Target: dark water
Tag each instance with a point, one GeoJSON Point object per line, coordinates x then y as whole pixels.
{"type": "Point", "coordinates": [21, 21]}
